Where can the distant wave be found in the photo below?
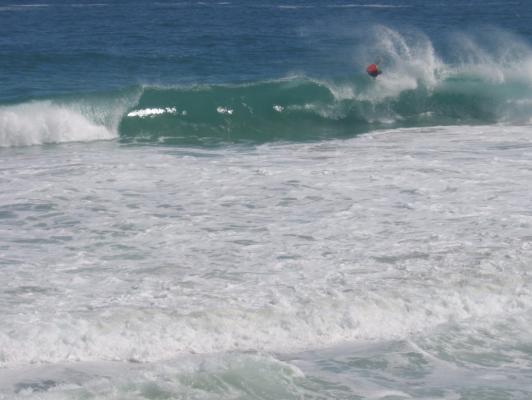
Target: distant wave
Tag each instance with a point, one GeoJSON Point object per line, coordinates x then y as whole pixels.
{"type": "Point", "coordinates": [369, 5]}
{"type": "Point", "coordinates": [21, 7]}
{"type": "Point", "coordinates": [26, 7]}
{"type": "Point", "coordinates": [352, 5]}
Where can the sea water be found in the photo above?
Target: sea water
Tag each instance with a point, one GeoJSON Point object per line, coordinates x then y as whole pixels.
{"type": "Point", "coordinates": [212, 200]}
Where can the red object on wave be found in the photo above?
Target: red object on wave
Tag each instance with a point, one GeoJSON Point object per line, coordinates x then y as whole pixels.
{"type": "Point", "coordinates": [373, 70]}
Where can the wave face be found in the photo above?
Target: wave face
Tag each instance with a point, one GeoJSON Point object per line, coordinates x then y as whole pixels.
{"type": "Point", "coordinates": [483, 80]}
{"type": "Point", "coordinates": [480, 84]}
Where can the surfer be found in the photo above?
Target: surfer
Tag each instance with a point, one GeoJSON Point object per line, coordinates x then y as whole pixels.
{"type": "Point", "coordinates": [373, 70]}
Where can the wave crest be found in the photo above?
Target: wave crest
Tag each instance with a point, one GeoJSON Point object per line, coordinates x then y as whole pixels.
{"type": "Point", "coordinates": [485, 79]}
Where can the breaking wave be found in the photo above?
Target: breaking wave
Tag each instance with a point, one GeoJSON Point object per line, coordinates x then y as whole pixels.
{"type": "Point", "coordinates": [487, 80]}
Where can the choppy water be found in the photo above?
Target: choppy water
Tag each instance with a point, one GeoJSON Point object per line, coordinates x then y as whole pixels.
{"type": "Point", "coordinates": [233, 210]}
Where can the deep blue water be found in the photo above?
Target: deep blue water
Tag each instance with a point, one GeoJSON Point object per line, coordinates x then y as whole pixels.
{"type": "Point", "coordinates": [65, 46]}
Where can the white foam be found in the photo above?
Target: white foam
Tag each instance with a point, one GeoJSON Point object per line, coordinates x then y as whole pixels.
{"type": "Point", "coordinates": [144, 254]}
{"type": "Point", "coordinates": [410, 60]}
{"type": "Point", "coordinates": [151, 112]}
{"type": "Point", "coordinates": [205, 377]}
{"type": "Point", "coordinates": [46, 122]}
{"type": "Point", "coordinates": [224, 110]}
{"type": "Point", "coordinates": [496, 57]}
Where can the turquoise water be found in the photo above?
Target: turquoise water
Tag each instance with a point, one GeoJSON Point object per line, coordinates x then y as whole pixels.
{"type": "Point", "coordinates": [212, 200]}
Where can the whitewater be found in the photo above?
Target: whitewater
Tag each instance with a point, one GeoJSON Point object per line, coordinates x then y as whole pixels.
{"type": "Point", "coordinates": [412, 244]}
{"type": "Point", "coordinates": [196, 205]}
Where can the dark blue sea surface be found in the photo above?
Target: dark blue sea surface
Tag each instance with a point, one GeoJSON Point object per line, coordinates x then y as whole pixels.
{"type": "Point", "coordinates": [66, 46]}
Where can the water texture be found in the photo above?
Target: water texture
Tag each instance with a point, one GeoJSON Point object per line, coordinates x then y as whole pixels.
{"type": "Point", "coordinates": [212, 200]}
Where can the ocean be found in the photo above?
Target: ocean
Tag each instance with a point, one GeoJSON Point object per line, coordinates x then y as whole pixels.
{"type": "Point", "coordinates": [213, 200]}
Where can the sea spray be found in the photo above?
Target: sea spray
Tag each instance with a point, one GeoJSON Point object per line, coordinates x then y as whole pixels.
{"type": "Point", "coordinates": [69, 118]}
{"type": "Point", "coordinates": [45, 122]}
